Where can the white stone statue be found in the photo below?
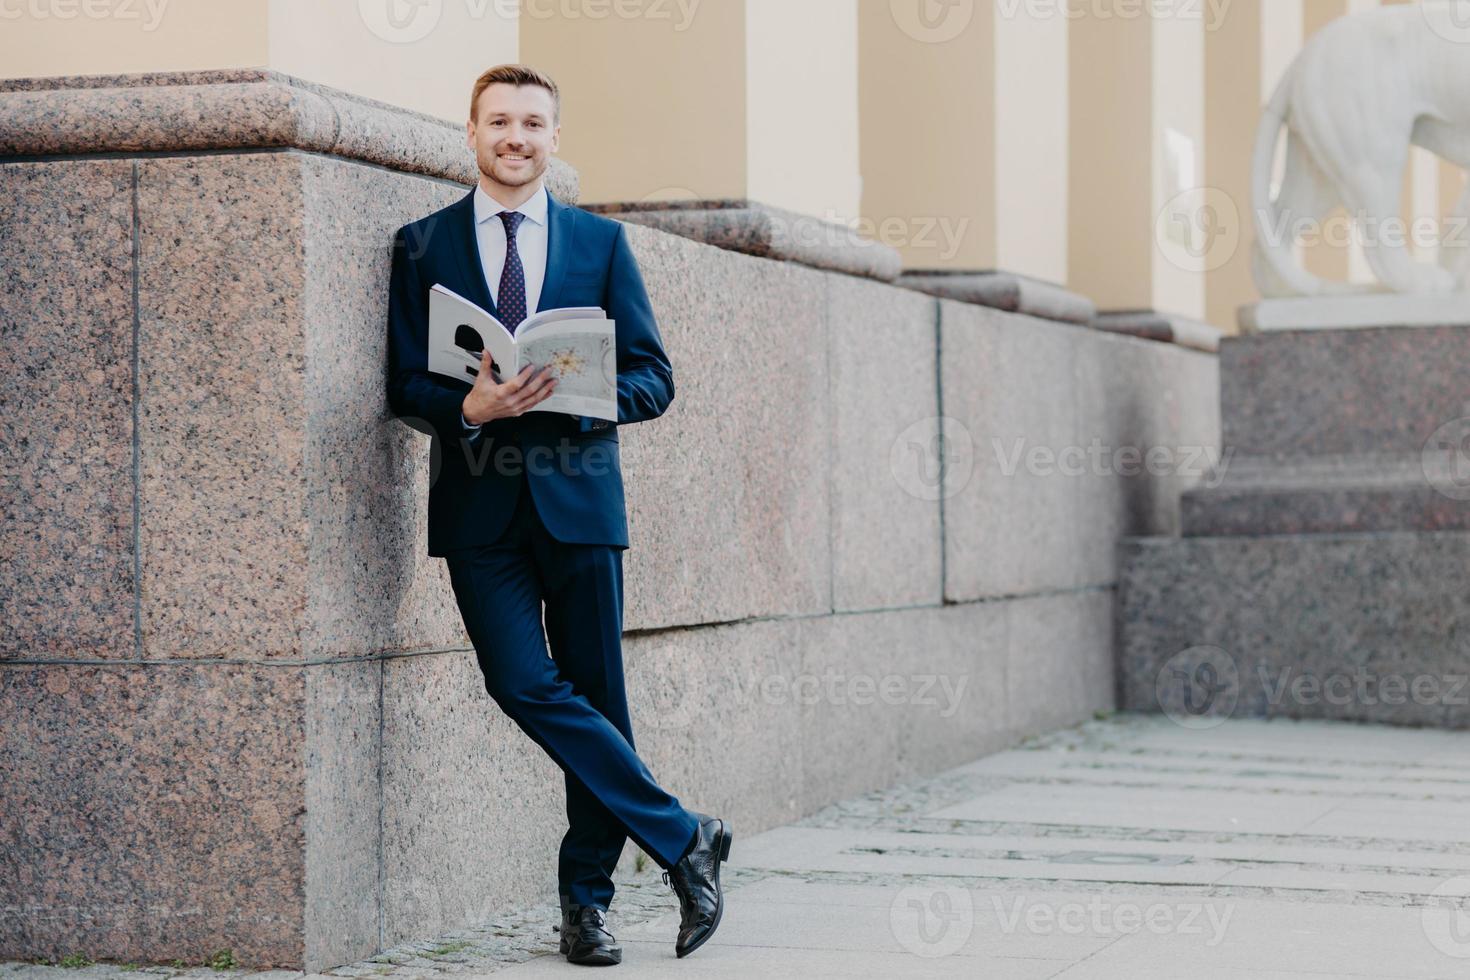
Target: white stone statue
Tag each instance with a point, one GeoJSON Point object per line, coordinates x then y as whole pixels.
{"type": "Point", "coordinates": [1361, 91]}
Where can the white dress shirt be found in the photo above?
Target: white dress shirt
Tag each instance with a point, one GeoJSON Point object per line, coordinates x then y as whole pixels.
{"type": "Point", "coordinates": [531, 241]}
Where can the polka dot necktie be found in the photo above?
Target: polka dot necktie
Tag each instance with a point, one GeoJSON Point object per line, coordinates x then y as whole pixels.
{"type": "Point", "coordinates": [512, 299]}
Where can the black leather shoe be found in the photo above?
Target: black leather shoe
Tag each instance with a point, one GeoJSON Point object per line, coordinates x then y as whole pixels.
{"type": "Point", "coordinates": [585, 939]}
{"type": "Point", "coordinates": [696, 880]}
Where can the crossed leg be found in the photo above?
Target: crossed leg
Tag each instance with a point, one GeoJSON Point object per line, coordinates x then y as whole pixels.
{"type": "Point", "coordinates": [499, 589]}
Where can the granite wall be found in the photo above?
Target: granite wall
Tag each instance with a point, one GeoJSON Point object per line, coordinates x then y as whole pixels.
{"type": "Point", "coordinates": [237, 705]}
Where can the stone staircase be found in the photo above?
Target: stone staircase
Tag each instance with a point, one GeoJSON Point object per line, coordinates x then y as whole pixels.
{"type": "Point", "coordinates": [1324, 570]}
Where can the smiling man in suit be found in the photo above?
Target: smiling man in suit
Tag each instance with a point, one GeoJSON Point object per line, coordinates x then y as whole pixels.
{"type": "Point", "coordinates": [527, 508]}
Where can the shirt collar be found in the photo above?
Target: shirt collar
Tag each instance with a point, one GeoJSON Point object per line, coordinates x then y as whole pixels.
{"type": "Point", "coordinates": [486, 207]}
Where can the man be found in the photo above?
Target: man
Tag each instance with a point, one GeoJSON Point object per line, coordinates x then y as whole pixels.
{"type": "Point", "coordinates": [528, 506]}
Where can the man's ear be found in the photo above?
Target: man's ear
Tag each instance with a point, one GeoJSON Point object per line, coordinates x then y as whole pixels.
{"type": "Point", "coordinates": [469, 133]}
{"type": "Point", "coordinates": [556, 138]}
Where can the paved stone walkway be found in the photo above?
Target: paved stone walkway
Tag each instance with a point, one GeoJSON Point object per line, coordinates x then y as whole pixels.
{"type": "Point", "coordinates": [1131, 848]}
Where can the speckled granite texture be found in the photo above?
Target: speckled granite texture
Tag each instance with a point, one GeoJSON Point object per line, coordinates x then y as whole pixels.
{"type": "Point", "coordinates": [66, 422]}
{"type": "Point", "coordinates": [1048, 419]}
{"type": "Point", "coordinates": [769, 232]}
{"type": "Point", "coordinates": [233, 109]}
{"type": "Point", "coordinates": [243, 601]}
{"type": "Point", "coordinates": [152, 813]}
{"type": "Point", "coordinates": [1320, 392]}
{"type": "Point", "coordinates": [1308, 626]}
{"type": "Point", "coordinates": [1003, 291]}
{"type": "Point", "coordinates": [1330, 549]}
{"type": "Point", "coordinates": [1326, 494]}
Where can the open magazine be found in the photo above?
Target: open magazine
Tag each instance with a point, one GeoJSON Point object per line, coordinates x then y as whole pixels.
{"type": "Point", "coordinates": [576, 344]}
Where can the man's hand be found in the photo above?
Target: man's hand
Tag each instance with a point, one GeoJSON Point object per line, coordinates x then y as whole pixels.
{"type": "Point", "coordinates": [488, 400]}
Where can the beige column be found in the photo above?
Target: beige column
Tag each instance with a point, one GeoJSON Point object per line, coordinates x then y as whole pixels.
{"type": "Point", "coordinates": [164, 35]}
{"type": "Point", "coordinates": [1032, 139]}
{"type": "Point", "coordinates": [426, 60]}
{"type": "Point", "coordinates": [1138, 218]}
{"type": "Point", "coordinates": [928, 143]}
{"type": "Point", "coordinates": [741, 98]}
{"type": "Point", "coordinates": [1245, 57]}
{"type": "Point", "coordinates": [927, 98]}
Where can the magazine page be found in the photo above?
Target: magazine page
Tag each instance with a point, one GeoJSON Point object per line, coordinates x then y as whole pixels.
{"type": "Point", "coordinates": [582, 354]}
{"type": "Point", "coordinates": [538, 321]}
{"type": "Point", "coordinates": [458, 331]}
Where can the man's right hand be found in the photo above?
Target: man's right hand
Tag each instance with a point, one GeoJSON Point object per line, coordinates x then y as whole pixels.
{"type": "Point", "coordinates": [488, 400]}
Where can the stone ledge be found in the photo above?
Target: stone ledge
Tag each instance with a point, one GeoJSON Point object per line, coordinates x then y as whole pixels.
{"type": "Point", "coordinates": [1167, 327]}
{"type": "Point", "coordinates": [1329, 494]}
{"type": "Point", "coordinates": [1003, 291]}
{"type": "Point", "coordinates": [1356, 312]}
{"type": "Point", "coordinates": [741, 225]}
{"type": "Point", "coordinates": [233, 109]}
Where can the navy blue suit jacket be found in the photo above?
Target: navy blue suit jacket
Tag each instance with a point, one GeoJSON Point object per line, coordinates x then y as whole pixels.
{"type": "Point", "coordinates": [571, 462]}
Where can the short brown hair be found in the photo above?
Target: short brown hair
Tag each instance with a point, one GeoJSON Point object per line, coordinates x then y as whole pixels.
{"type": "Point", "coordinates": [517, 75]}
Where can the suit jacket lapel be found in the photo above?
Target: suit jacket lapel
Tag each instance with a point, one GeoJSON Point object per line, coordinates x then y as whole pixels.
{"type": "Point", "coordinates": [466, 245]}
{"type": "Point", "coordinates": [561, 221]}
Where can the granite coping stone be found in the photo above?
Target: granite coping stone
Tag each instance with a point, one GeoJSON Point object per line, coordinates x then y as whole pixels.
{"type": "Point", "coordinates": [743, 225]}
{"type": "Point", "coordinates": [1154, 325]}
{"type": "Point", "coordinates": [248, 108]}
{"type": "Point", "coordinates": [1004, 291]}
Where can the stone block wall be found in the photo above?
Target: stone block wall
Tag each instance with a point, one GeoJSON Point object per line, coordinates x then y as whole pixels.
{"type": "Point", "coordinates": [237, 705]}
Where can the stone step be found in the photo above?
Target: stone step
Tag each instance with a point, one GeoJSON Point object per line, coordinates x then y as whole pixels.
{"type": "Point", "coordinates": [1330, 494]}
{"type": "Point", "coordinates": [1364, 627]}
{"type": "Point", "coordinates": [1341, 392]}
